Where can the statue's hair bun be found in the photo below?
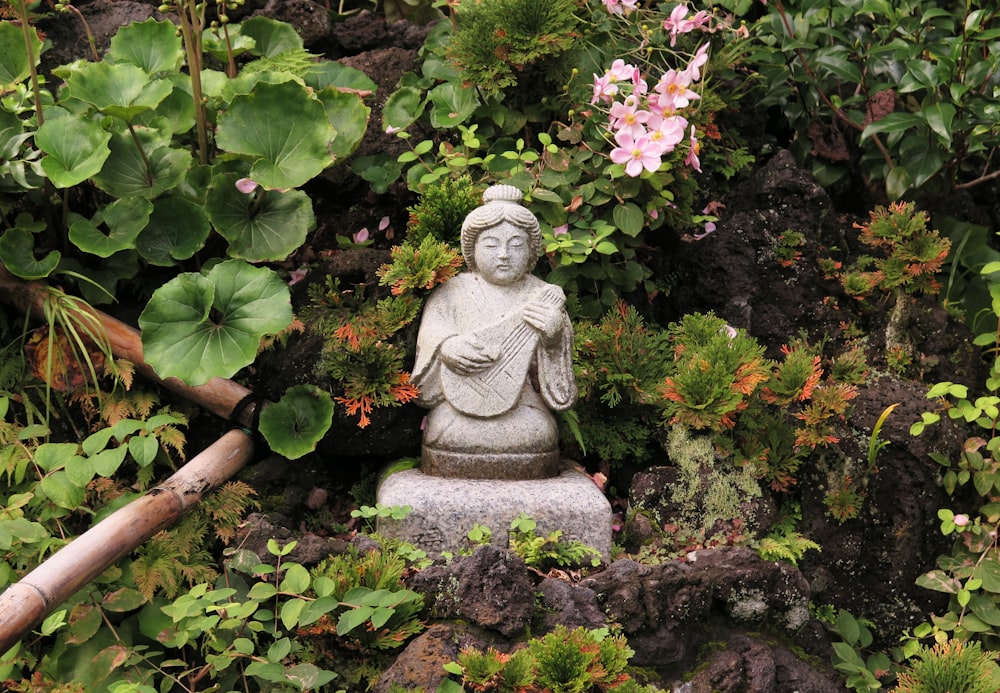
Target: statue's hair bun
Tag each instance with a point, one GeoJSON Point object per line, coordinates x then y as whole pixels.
{"type": "Point", "coordinates": [503, 194]}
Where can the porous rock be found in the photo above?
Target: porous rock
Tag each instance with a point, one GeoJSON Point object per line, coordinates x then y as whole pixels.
{"type": "Point", "coordinates": [490, 588]}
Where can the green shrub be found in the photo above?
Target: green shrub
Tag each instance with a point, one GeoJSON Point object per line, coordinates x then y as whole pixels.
{"type": "Point", "coordinates": [950, 667]}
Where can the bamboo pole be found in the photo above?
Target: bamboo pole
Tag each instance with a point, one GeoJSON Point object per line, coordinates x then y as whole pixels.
{"type": "Point", "coordinates": [25, 603]}
{"type": "Point", "coordinates": [218, 396]}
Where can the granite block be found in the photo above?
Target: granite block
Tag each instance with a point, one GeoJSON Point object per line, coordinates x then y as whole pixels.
{"type": "Point", "coordinates": [445, 509]}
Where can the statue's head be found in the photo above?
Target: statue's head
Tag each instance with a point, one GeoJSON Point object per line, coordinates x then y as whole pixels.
{"type": "Point", "coordinates": [501, 212]}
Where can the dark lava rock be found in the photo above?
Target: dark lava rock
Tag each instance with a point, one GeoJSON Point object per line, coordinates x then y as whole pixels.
{"type": "Point", "coordinates": [491, 588]}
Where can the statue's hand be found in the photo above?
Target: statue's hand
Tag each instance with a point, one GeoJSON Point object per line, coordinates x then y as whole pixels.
{"type": "Point", "coordinates": [546, 318]}
{"type": "Point", "coordinates": [466, 355]}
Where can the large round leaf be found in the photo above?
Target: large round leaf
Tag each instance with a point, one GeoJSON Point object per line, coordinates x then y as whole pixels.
{"type": "Point", "coordinates": [269, 226]}
{"type": "Point", "coordinates": [283, 129]}
{"type": "Point", "coordinates": [17, 253]}
{"type": "Point", "coordinates": [124, 219]}
{"type": "Point", "coordinates": [295, 424]}
{"type": "Point", "coordinates": [177, 229]}
{"type": "Point", "coordinates": [154, 46]}
{"type": "Point", "coordinates": [125, 172]}
{"type": "Point", "coordinates": [75, 149]}
{"type": "Point", "coordinates": [120, 90]}
{"type": "Point", "coordinates": [271, 37]}
{"type": "Point", "coordinates": [14, 65]}
{"type": "Point", "coordinates": [349, 116]}
{"type": "Point", "coordinates": [330, 73]}
{"type": "Point", "coordinates": [198, 327]}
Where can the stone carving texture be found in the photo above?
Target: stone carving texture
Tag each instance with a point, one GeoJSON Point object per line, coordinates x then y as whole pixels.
{"type": "Point", "coordinates": [494, 353]}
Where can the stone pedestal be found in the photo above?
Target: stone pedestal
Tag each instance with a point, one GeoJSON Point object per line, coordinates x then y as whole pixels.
{"type": "Point", "coordinates": [445, 509]}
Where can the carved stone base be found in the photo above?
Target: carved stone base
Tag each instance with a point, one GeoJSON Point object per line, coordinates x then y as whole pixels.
{"type": "Point", "coordinates": [445, 509]}
{"type": "Point", "coordinates": [505, 465]}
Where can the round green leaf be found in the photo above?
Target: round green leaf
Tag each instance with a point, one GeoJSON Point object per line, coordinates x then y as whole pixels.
{"type": "Point", "coordinates": [271, 37]}
{"type": "Point", "coordinates": [59, 489]}
{"type": "Point", "coordinates": [402, 108]}
{"type": "Point", "coordinates": [267, 227]}
{"type": "Point", "coordinates": [14, 65]}
{"type": "Point", "coordinates": [154, 46]}
{"type": "Point", "coordinates": [451, 104]}
{"type": "Point", "coordinates": [629, 218]}
{"type": "Point", "coordinates": [125, 173]}
{"type": "Point", "coordinates": [121, 90]}
{"type": "Point", "coordinates": [177, 229]}
{"type": "Point", "coordinates": [124, 217]}
{"type": "Point", "coordinates": [17, 253]}
{"type": "Point", "coordinates": [219, 45]}
{"type": "Point", "coordinates": [330, 73]}
{"type": "Point", "coordinates": [283, 128]}
{"type": "Point", "coordinates": [296, 423]}
{"type": "Point", "coordinates": [75, 149]}
{"type": "Point", "coordinates": [348, 115]}
{"type": "Point", "coordinates": [197, 327]}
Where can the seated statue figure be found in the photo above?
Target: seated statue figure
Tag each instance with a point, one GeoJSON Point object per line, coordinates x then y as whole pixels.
{"type": "Point", "coordinates": [494, 353]}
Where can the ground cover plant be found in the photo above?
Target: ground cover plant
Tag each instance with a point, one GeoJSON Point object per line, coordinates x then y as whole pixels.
{"type": "Point", "coordinates": [206, 169]}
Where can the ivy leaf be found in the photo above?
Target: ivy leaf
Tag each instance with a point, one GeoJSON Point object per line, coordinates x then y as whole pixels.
{"type": "Point", "coordinates": [283, 129]}
{"type": "Point", "coordinates": [296, 423]}
{"type": "Point", "coordinates": [196, 327]}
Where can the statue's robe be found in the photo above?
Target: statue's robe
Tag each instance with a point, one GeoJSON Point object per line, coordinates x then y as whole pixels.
{"type": "Point", "coordinates": [512, 423]}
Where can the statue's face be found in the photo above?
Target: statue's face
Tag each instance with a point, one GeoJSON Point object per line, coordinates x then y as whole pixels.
{"type": "Point", "coordinates": [503, 254]}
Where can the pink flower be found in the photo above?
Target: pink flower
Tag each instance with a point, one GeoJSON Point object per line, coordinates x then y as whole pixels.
{"type": "Point", "coordinates": [361, 236]}
{"type": "Point", "coordinates": [295, 276]}
{"type": "Point", "coordinates": [667, 132]}
{"type": "Point", "coordinates": [700, 58]}
{"type": "Point", "coordinates": [639, 87]}
{"type": "Point", "coordinates": [692, 157]}
{"type": "Point", "coordinates": [676, 24]}
{"type": "Point", "coordinates": [246, 185]}
{"type": "Point", "coordinates": [672, 92]}
{"type": "Point", "coordinates": [560, 230]}
{"type": "Point", "coordinates": [961, 520]}
{"type": "Point", "coordinates": [390, 130]}
{"type": "Point", "coordinates": [628, 117]}
{"type": "Point", "coordinates": [620, 6]}
{"type": "Point", "coordinates": [636, 153]}
{"type": "Point", "coordinates": [383, 224]}
{"type": "Point", "coordinates": [606, 86]}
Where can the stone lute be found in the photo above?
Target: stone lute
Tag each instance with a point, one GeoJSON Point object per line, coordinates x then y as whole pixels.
{"type": "Point", "coordinates": [496, 390]}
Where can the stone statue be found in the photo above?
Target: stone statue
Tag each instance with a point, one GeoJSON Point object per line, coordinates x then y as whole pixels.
{"type": "Point", "coordinates": [494, 353]}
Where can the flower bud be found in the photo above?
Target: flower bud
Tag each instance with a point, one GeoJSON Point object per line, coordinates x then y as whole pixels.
{"type": "Point", "coordinates": [961, 520]}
